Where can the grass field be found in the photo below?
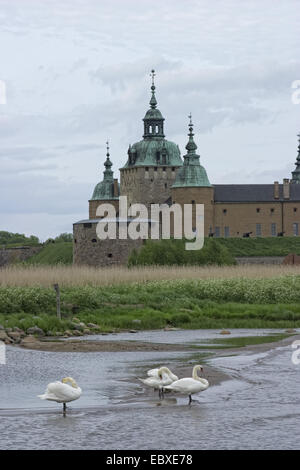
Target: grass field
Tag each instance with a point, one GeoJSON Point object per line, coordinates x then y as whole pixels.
{"type": "Point", "coordinates": [212, 297]}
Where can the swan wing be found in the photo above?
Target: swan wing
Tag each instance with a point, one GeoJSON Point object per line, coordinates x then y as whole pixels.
{"type": "Point", "coordinates": [60, 392]}
{"type": "Point", "coordinates": [187, 385]}
{"type": "Point", "coordinates": [153, 373]}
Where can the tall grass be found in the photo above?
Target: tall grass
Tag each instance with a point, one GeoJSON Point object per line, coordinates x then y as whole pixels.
{"type": "Point", "coordinates": [69, 276]}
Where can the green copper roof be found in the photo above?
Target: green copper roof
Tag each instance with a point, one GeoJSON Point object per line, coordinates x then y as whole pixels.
{"type": "Point", "coordinates": [296, 173]}
{"type": "Point", "coordinates": [105, 189]}
{"type": "Point", "coordinates": [154, 149]}
{"type": "Point", "coordinates": [191, 174]}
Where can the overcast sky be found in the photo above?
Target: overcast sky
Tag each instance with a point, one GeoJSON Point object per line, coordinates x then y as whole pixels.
{"type": "Point", "coordinates": [77, 72]}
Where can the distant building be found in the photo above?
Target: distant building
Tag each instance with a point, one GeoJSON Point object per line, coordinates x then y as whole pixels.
{"type": "Point", "coordinates": [155, 174]}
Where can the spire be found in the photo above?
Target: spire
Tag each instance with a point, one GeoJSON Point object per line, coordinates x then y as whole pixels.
{"type": "Point", "coordinates": [153, 101]}
{"type": "Point", "coordinates": [153, 120]}
{"type": "Point", "coordinates": [191, 146]}
{"type": "Point", "coordinates": [191, 174]}
{"type": "Point", "coordinates": [108, 173]}
{"type": "Point", "coordinates": [296, 172]}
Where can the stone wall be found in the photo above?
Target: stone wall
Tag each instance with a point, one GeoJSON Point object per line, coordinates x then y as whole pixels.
{"type": "Point", "coordinates": [88, 249]}
{"type": "Point", "coordinates": [147, 185]}
{"type": "Point", "coordinates": [22, 253]}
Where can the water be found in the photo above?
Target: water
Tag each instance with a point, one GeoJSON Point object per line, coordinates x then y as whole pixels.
{"type": "Point", "coordinates": [259, 408]}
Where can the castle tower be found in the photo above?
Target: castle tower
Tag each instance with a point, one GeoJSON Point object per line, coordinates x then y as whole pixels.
{"type": "Point", "coordinates": [152, 163]}
{"type": "Point", "coordinates": [296, 172]}
{"type": "Point", "coordinates": [107, 190]}
{"type": "Point", "coordinates": [192, 185]}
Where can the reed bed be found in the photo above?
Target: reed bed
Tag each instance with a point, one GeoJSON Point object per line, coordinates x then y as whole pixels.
{"type": "Point", "coordinates": [71, 276]}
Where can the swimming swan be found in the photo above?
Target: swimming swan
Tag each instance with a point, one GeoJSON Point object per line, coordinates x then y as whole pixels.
{"type": "Point", "coordinates": [190, 385]}
{"type": "Point", "coordinates": [62, 392]}
{"type": "Point", "coordinates": [159, 379]}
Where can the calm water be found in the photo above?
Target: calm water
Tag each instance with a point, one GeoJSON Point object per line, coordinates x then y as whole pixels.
{"type": "Point", "coordinates": [258, 408]}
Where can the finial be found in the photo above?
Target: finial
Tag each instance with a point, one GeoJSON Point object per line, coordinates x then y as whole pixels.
{"type": "Point", "coordinates": [191, 146]}
{"type": "Point", "coordinates": [107, 148]}
{"type": "Point", "coordinates": [152, 75]}
{"type": "Point", "coordinates": [153, 101]}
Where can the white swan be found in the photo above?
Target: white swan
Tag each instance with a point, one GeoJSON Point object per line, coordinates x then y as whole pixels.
{"type": "Point", "coordinates": [159, 378]}
{"type": "Point", "coordinates": [62, 392]}
{"type": "Point", "coordinates": [154, 373]}
{"type": "Point", "coordinates": [190, 385]}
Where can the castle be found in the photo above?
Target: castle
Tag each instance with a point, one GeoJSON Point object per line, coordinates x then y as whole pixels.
{"type": "Point", "coordinates": [155, 174]}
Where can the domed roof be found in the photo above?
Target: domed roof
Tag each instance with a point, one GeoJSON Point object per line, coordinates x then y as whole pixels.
{"type": "Point", "coordinates": [191, 174]}
{"type": "Point", "coordinates": [154, 152]}
{"type": "Point", "coordinates": [153, 114]}
{"type": "Point", "coordinates": [154, 149]}
{"type": "Point", "coordinates": [105, 189]}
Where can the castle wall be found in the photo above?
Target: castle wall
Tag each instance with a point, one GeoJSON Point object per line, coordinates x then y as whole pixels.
{"type": "Point", "coordinates": [88, 249]}
{"type": "Point", "coordinates": [147, 185]}
{"type": "Point", "coordinates": [94, 204]}
{"type": "Point", "coordinates": [22, 253]}
{"type": "Point", "coordinates": [244, 217]}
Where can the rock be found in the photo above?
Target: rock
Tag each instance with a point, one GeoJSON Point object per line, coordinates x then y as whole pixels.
{"type": "Point", "coordinates": [171, 328]}
{"type": "Point", "coordinates": [28, 340]}
{"type": "Point", "coordinates": [291, 330]}
{"type": "Point", "coordinates": [68, 333]}
{"type": "Point", "coordinates": [132, 331]}
{"type": "Point", "coordinates": [77, 333]}
{"type": "Point", "coordinates": [92, 325]}
{"type": "Point", "coordinates": [4, 337]}
{"type": "Point", "coordinates": [225, 332]}
{"type": "Point", "coordinates": [8, 330]}
{"type": "Point", "coordinates": [77, 320]}
{"type": "Point", "coordinates": [35, 330]}
{"type": "Point", "coordinates": [15, 336]}
{"type": "Point", "coordinates": [137, 321]}
{"type": "Point", "coordinates": [18, 330]}
{"type": "Point", "coordinates": [1, 327]}
{"type": "Point", "coordinates": [58, 333]}
{"type": "Point", "coordinates": [86, 331]}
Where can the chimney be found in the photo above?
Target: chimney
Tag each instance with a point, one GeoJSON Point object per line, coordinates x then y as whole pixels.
{"type": "Point", "coordinates": [116, 187]}
{"type": "Point", "coordinates": [286, 188]}
{"type": "Point", "coordinates": [276, 190]}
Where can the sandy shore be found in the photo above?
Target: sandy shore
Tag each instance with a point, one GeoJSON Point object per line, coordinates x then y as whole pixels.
{"type": "Point", "coordinates": [77, 345]}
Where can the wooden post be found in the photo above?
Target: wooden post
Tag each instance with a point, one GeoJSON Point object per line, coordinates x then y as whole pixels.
{"type": "Point", "coordinates": [56, 288]}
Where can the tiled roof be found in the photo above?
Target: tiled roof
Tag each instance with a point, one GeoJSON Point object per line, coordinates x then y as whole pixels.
{"type": "Point", "coordinates": [253, 193]}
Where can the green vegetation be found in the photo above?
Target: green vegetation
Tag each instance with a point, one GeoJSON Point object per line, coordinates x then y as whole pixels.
{"type": "Point", "coordinates": [173, 252]}
{"type": "Point", "coordinates": [53, 253]}
{"type": "Point", "coordinates": [272, 246]}
{"type": "Point", "coordinates": [219, 303]}
{"type": "Point", "coordinates": [17, 239]}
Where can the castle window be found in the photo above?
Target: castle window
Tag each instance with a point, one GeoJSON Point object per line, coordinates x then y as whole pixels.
{"type": "Point", "coordinates": [164, 168]}
{"type": "Point", "coordinates": [156, 129]}
{"type": "Point", "coordinates": [226, 232]}
{"type": "Point", "coordinates": [295, 209]}
{"type": "Point", "coordinates": [157, 157]}
{"type": "Point", "coordinates": [94, 240]}
{"type": "Point", "coordinates": [109, 255]}
{"type": "Point", "coordinates": [295, 229]}
{"type": "Point", "coordinates": [258, 230]}
{"type": "Point", "coordinates": [272, 210]}
{"type": "Point", "coordinates": [147, 169]}
{"type": "Point", "coordinates": [193, 202]}
{"type": "Point", "coordinates": [217, 231]}
{"type": "Point", "coordinates": [75, 240]}
{"type": "Point", "coordinates": [166, 185]}
{"type": "Point", "coordinates": [273, 230]}
{"type": "Point", "coordinates": [224, 211]}
{"type": "Point", "coordinates": [155, 168]}
{"type": "Point", "coordinates": [258, 210]}
{"type": "Point", "coordinates": [87, 225]}
{"type": "Point", "coordinates": [173, 169]}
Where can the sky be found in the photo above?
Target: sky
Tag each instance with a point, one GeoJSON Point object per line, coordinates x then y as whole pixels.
{"type": "Point", "coordinates": [77, 72]}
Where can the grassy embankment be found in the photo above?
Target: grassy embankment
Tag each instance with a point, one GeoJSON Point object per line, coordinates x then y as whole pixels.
{"type": "Point", "coordinates": [61, 253]}
{"type": "Point", "coordinates": [223, 297]}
